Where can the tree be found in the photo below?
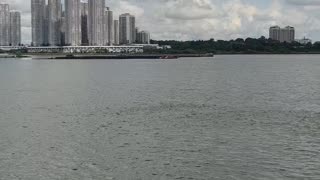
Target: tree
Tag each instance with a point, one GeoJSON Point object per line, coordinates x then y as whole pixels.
{"type": "Point", "coordinates": [249, 45]}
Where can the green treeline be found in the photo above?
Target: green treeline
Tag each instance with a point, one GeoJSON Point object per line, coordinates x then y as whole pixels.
{"type": "Point", "coordinates": [238, 46]}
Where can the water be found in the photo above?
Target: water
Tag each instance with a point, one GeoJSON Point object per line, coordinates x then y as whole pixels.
{"type": "Point", "coordinates": [231, 117]}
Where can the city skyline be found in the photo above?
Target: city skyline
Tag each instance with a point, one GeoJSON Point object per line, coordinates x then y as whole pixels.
{"type": "Point", "coordinates": [78, 23]}
{"type": "Point", "coordinates": [206, 19]}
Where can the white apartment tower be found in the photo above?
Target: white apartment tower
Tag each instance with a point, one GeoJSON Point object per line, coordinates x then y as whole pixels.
{"type": "Point", "coordinates": [54, 22]}
{"type": "Point", "coordinates": [286, 34]}
{"type": "Point", "coordinates": [73, 22]}
{"type": "Point", "coordinates": [4, 24]}
{"type": "Point", "coordinates": [15, 28]}
{"type": "Point", "coordinates": [127, 29]}
{"type": "Point", "coordinates": [116, 32]}
{"type": "Point", "coordinates": [46, 25]}
{"type": "Point", "coordinates": [109, 27]}
{"type": "Point", "coordinates": [37, 20]}
{"type": "Point", "coordinates": [84, 24]}
{"type": "Point", "coordinates": [143, 37]}
{"type": "Point", "coordinates": [274, 33]}
{"type": "Point", "coordinates": [97, 22]}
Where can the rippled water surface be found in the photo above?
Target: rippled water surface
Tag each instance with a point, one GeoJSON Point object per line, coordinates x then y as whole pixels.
{"type": "Point", "coordinates": [228, 117]}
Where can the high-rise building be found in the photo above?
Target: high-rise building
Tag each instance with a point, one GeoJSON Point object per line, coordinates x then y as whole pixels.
{"type": "Point", "coordinates": [63, 28]}
{"type": "Point", "coordinates": [136, 34]}
{"type": "Point", "coordinates": [133, 28]}
{"type": "Point", "coordinates": [286, 34]}
{"type": "Point", "coordinates": [15, 28]}
{"type": "Point", "coordinates": [84, 24]}
{"type": "Point", "coordinates": [274, 33]}
{"type": "Point", "coordinates": [97, 22]}
{"type": "Point", "coordinates": [54, 22]}
{"type": "Point", "coordinates": [143, 37]}
{"type": "Point", "coordinates": [105, 27]}
{"type": "Point", "coordinates": [4, 24]}
{"type": "Point", "coordinates": [109, 27]}
{"type": "Point", "coordinates": [46, 26]}
{"type": "Point", "coordinates": [127, 33]}
{"type": "Point", "coordinates": [38, 14]}
{"type": "Point", "coordinates": [73, 22]}
{"type": "Point", "coordinates": [116, 32]}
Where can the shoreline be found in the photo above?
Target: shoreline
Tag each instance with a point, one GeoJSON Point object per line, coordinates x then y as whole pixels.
{"type": "Point", "coordinates": [57, 56]}
{"type": "Point", "coordinates": [118, 56]}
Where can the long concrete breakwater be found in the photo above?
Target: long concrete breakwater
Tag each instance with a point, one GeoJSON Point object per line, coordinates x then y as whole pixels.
{"type": "Point", "coordinates": [130, 56]}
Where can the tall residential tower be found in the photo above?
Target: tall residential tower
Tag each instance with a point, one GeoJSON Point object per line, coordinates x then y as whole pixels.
{"type": "Point", "coordinates": [127, 29]}
{"type": "Point", "coordinates": [73, 22]}
{"type": "Point", "coordinates": [54, 22]}
{"type": "Point", "coordinates": [286, 34]}
{"type": "Point", "coordinates": [15, 28]}
{"type": "Point", "coordinates": [116, 32]}
{"type": "Point", "coordinates": [4, 24]}
{"type": "Point", "coordinates": [97, 22]}
{"type": "Point", "coordinates": [143, 37]}
{"type": "Point", "coordinates": [37, 20]}
{"type": "Point", "coordinates": [84, 24]}
{"type": "Point", "coordinates": [109, 35]}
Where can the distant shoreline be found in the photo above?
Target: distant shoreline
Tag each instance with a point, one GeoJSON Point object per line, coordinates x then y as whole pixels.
{"type": "Point", "coordinates": [118, 56]}
{"type": "Point", "coordinates": [57, 56]}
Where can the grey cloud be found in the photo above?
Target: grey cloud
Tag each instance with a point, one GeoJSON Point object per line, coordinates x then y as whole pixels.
{"type": "Point", "coordinates": [304, 2]}
{"type": "Point", "coordinates": [190, 10]}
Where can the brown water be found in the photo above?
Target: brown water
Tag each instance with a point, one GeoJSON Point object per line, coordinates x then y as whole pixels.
{"type": "Point", "coordinates": [231, 117]}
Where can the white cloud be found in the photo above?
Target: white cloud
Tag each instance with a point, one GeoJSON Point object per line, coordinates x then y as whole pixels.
{"type": "Point", "coordinates": [190, 10]}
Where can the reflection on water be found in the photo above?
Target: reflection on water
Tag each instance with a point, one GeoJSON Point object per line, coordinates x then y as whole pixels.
{"type": "Point", "coordinates": [231, 117]}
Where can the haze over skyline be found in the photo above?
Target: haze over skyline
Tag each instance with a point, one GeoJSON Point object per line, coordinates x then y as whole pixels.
{"type": "Point", "coordinates": [205, 19]}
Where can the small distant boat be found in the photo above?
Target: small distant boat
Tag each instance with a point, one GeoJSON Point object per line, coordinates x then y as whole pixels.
{"type": "Point", "coordinates": [169, 57]}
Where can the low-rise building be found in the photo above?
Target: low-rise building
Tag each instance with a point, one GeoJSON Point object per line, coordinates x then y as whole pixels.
{"type": "Point", "coordinates": [304, 41]}
{"type": "Point", "coordinates": [87, 49]}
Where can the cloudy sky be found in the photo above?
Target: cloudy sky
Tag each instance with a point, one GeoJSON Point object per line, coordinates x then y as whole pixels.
{"type": "Point", "coordinates": [204, 19]}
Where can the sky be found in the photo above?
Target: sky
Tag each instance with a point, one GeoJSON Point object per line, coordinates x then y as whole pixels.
{"type": "Point", "coordinates": [205, 19]}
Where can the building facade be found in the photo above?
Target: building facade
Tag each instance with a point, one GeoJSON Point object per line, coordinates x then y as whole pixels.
{"type": "Point", "coordinates": [96, 21]}
{"type": "Point", "coordinates": [37, 21]}
{"type": "Point", "coordinates": [54, 22]}
{"type": "Point", "coordinates": [127, 33]}
{"type": "Point", "coordinates": [15, 28]}
{"type": "Point", "coordinates": [132, 24]}
{"type": "Point", "coordinates": [116, 32]}
{"type": "Point", "coordinates": [84, 24]}
{"type": "Point", "coordinates": [4, 24]}
{"type": "Point", "coordinates": [286, 34]}
{"type": "Point", "coordinates": [73, 22]}
{"type": "Point", "coordinates": [143, 37]}
{"type": "Point", "coordinates": [46, 25]}
{"type": "Point", "coordinates": [109, 35]}
{"type": "Point", "coordinates": [63, 28]}
{"type": "Point", "coordinates": [274, 33]}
